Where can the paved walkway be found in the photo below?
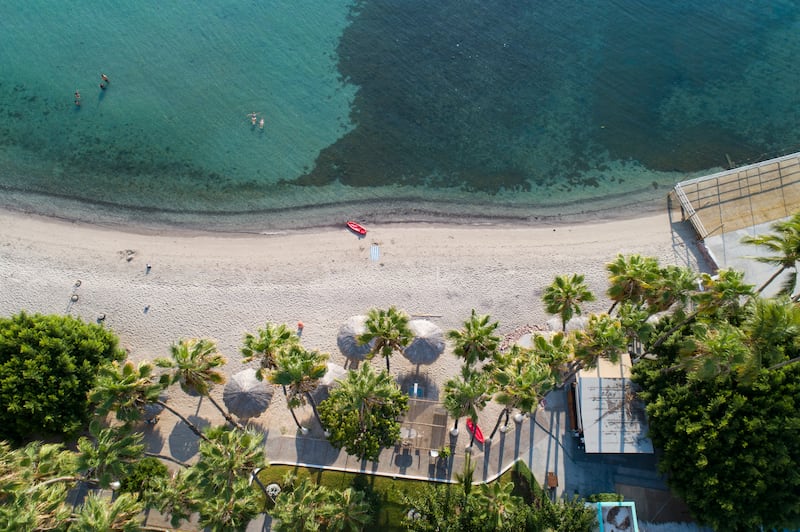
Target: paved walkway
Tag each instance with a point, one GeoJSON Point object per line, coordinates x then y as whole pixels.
{"type": "Point", "coordinates": [542, 441]}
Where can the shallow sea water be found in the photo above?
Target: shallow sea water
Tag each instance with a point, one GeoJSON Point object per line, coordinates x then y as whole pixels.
{"type": "Point", "coordinates": [383, 110]}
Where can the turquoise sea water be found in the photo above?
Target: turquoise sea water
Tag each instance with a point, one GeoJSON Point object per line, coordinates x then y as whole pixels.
{"type": "Point", "coordinates": [383, 109]}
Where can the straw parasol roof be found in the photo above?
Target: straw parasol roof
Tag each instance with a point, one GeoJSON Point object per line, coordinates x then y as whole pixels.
{"type": "Point", "coordinates": [335, 372]}
{"type": "Point", "coordinates": [246, 396]}
{"type": "Point", "coordinates": [428, 342]}
{"type": "Point", "coordinates": [347, 338]}
{"type": "Point", "coordinates": [578, 323]}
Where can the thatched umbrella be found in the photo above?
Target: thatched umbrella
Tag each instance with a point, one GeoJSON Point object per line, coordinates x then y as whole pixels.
{"type": "Point", "coordinates": [428, 342]}
{"type": "Point", "coordinates": [347, 339]}
{"type": "Point", "coordinates": [335, 372]}
{"type": "Point", "coordinates": [578, 323]}
{"type": "Point", "coordinates": [246, 396]}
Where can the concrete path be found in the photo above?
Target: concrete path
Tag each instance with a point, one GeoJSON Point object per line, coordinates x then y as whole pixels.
{"type": "Point", "coordinates": [543, 442]}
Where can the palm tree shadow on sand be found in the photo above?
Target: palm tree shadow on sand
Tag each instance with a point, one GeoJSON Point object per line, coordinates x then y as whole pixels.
{"type": "Point", "coordinates": [183, 443]}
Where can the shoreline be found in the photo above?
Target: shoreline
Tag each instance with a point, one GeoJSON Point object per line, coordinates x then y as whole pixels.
{"type": "Point", "coordinates": [314, 217]}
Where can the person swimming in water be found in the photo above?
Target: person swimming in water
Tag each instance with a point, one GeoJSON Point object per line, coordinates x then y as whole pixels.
{"type": "Point", "coordinates": [261, 124]}
{"type": "Point", "coordinates": [253, 117]}
{"type": "Point", "coordinates": [105, 78]}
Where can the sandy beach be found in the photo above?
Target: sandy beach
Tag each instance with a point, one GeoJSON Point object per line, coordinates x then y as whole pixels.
{"type": "Point", "coordinates": [221, 286]}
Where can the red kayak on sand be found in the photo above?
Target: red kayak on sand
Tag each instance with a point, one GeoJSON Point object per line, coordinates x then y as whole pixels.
{"type": "Point", "coordinates": [475, 429]}
{"type": "Point", "coordinates": [356, 228]}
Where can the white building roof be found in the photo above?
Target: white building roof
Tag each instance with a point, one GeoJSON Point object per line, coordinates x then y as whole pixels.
{"type": "Point", "coordinates": [612, 418]}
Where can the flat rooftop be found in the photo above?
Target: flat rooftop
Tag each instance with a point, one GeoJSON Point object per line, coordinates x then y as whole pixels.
{"type": "Point", "coordinates": [612, 416]}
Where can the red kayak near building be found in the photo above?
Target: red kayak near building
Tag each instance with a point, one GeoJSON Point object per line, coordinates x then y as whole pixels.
{"type": "Point", "coordinates": [476, 430]}
{"type": "Point", "coordinates": [356, 228]}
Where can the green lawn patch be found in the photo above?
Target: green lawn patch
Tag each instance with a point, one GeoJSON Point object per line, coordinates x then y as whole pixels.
{"type": "Point", "coordinates": [389, 491]}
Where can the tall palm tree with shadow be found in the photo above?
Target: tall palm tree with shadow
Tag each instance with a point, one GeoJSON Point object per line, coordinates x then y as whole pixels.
{"type": "Point", "coordinates": [466, 395]}
{"type": "Point", "coordinates": [476, 340]}
{"type": "Point", "coordinates": [265, 345]}
{"type": "Point", "coordinates": [193, 364]}
{"type": "Point", "coordinates": [389, 330]}
{"type": "Point", "coordinates": [127, 389]}
{"type": "Point", "coordinates": [520, 380]}
{"type": "Point", "coordinates": [299, 370]}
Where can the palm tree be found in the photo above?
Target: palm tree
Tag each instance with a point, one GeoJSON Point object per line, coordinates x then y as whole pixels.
{"type": "Point", "coordinates": [476, 340]}
{"type": "Point", "coordinates": [219, 483]}
{"type": "Point", "coordinates": [785, 246]}
{"type": "Point", "coordinates": [194, 365]}
{"type": "Point", "coordinates": [366, 391]}
{"type": "Point", "coordinates": [100, 460]}
{"type": "Point", "coordinates": [389, 330]}
{"type": "Point", "coordinates": [346, 510]}
{"type": "Point", "coordinates": [711, 351]}
{"type": "Point", "coordinates": [630, 278]}
{"type": "Point", "coordinates": [722, 293]}
{"type": "Point", "coordinates": [497, 503]}
{"type": "Point", "coordinates": [299, 371]}
{"type": "Point", "coordinates": [266, 345]}
{"type": "Point", "coordinates": [33, 486]}
{"type": "Point", "coordinates": [565, 296]}
{"type": "Point", "coordinates": [106, 457]}
{"type": "Point", "coordinates": [603, 338]}
{"type": "Point", "coordinates": [521, 380]}
{"type": "Point", "coordinates": [674, 284]}
{"type": "Point", "coordinates": [123, 513]}
{"type": "Point", "coordinates": [554, 351]}
{"type": "Point", "coordinates": [299, 508]}
{"type": "Point", "coordinates": [772, 328]}
{"type": "Point", "coordinates": [466, 395]}
{"type": "Point", "coordinates": [127, 389]}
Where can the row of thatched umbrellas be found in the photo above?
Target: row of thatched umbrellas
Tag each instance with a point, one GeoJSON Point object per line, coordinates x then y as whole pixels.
{"type": "Point", "coordinates": [245, 396]}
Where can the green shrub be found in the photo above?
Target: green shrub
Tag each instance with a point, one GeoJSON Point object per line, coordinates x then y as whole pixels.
{"type": "Point", "coordinates": [605, 497]}
{"type": "Point", "coordinates": [48, 365]}
{"type": "Point", "coordinates": [144, 476]}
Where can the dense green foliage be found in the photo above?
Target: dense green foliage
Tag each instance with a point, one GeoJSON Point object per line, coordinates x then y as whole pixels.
{"type": "Point", "coordinates": [362, 413]}
{"type": "Point", "coordinates": [730, 448]}
{"type": "Point", "coordinates": [47, 367]}
{"type": "Point", "coordinates": [519, 504]}
{"type": "Point", "coordinates": [144, 476]}
{"type": "Point", "coordinates": [35, 479]}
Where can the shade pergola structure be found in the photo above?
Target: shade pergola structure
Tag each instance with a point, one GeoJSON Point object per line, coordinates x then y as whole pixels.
{"type": "Point", "coordinates": [347, 339]}
{"type": "Point", "coordinates": [246, 396]}
{"type": "Point", "coordinates": [428, 342]}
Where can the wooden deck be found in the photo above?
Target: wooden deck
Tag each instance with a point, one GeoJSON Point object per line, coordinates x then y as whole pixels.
{"type": "Point", "coordinates": [742, 197]}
